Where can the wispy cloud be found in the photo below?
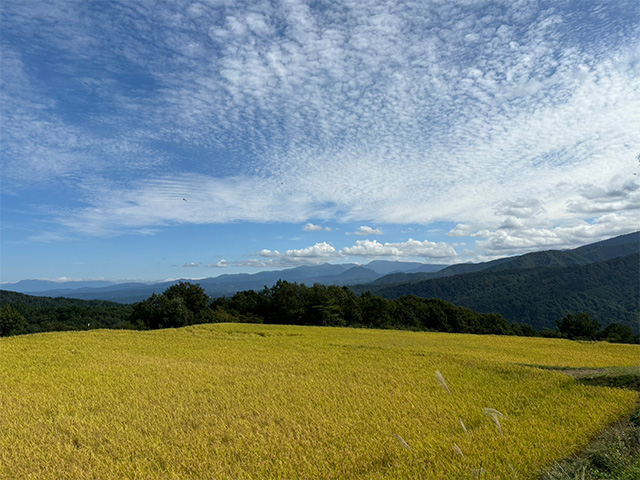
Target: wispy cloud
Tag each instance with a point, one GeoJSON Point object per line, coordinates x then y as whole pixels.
{"type": "Point", "coordinates": [365, 230]}
{"type": "Point", "coordinates": [192, 264]}
{"type": "Point", "coordinates": [310, 227]}
{"type": "Point", "coordinates": [517, 121]}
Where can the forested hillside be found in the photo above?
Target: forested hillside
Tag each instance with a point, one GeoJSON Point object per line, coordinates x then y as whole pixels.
{"type": "Point", "coordinates": [31, 314]}
{"type": "Point", "coordinates": [616, 247]}
{"type": "Point", "coordinates": [539, 296]}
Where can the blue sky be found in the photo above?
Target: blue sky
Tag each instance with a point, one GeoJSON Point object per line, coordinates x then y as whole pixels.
{"type": "Point", "coordinates": [166, 139]}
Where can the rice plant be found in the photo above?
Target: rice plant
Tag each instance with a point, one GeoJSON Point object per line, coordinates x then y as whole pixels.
{"type": "Point", "coordinates": [254, 401]}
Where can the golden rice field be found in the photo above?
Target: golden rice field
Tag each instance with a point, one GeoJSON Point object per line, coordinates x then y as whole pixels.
{"type": "Point", "coordinates": [233, 401]}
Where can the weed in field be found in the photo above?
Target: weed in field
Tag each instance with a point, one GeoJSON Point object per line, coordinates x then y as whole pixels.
{"type": "Point", "coordinates": [464, 429]}
{"type": "Point", "coordinates": [442, 382]}
{"type": "Point", "coordinates": [457, 449]}
{"type": "Point", "coordinates": [403, 443]}
{"type": "Point", "coordinates": [495, 416]}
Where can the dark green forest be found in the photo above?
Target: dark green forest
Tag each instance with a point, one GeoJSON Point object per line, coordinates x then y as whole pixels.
{"type": "Point", "coordinates": [20, 313]}
{"type": "Point", "coordinates": [539, 296]}
{"type": "Point", "coordinates": [294, 304]}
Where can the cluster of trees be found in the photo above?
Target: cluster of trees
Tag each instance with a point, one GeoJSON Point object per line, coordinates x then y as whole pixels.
{"type": "Point", "coordinates": [294, 304]}
{"type": "Point", "coordinates": [582, 326]}
{"type": "Point", "coordinates": [180, 305]}
{"type": "Point", "coordinates": [11, 322]}
{"type": "Point", "coordinates": [297, 304]}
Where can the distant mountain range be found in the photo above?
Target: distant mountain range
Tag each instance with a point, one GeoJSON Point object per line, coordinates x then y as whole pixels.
{"type": "Point", "coordinates": [539, 288]}
{"type": "Point", "coordinates": [536, 288]}
{"type": "Point", "coordinates": [594, 252]}
{"type": "Point", "coordinates": [226, 284]}
{"type": "Point", "coordinates": [36, 286]}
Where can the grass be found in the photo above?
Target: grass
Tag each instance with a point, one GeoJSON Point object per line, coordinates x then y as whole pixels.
{"type": "Point", "coordinates": [618, 377]}
{"type": "Point", "coordinates": [253, 401]}
{"type": "Point", "coordinates": [614, 454]}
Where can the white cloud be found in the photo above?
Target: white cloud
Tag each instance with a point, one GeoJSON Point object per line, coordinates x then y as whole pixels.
{"type": "Point", "coordinates": [269, 253]}
{"type": "Point", "coordinates": [410, 248]}
{"type": "Point", "coordinates": [312, 255]}
{"type": "Point", "coordinates": [70, 279]}
{"type": "Point", "coordinates": [254, 263]}
{"type": "Point", "coordinates": [495, 243]}
{"type": "Point", "coordinates": [461, 230]}
{"type": "Point", "coordinates": [310, 227]}
{"type": "Point", "coordinates": [324, 252]}
{"type": "Point", "coordinates": [318, 251]}
{"type": "Point", "coordinates": [615, 197]}
{"type": "Point", "coordinates": [221, 264]}
{"type": "Point", "coordinates": [365, 230]}
{"type": "Point", "coordinates": [521, 208]}
{"type": "Point", "coordinates": [192, 264]}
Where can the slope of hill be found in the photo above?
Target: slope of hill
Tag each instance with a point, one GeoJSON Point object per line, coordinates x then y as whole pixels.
{"type": "Point", "coordinates": [373, 276]}
{"type": "Point", "coordinates": [539, 296]}
{"type": "Point", "coordinates": [607, 249]}
{"type": "Point", "coordinates": [385, 267]}
{"type": "Point", "coordinates": [45, 314]}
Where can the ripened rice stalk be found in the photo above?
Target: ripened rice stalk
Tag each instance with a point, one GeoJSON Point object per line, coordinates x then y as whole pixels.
{"type": "Point", "coordinates": [252, 401]}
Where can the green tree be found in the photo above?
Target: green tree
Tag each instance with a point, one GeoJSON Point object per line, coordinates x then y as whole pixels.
{"type": "Point", "coordinates": [579, 326]}
{"type": "Point", "coordinates": [377, 312]}
{"type": "Point", "coordinates": [617, 333]}
{"type": "Point", "coordinates": [285, 304]}
{"type": "Point", "coordinates": [180, 305]}
{"type": "Point", "coordinates": [248, 305]}
{"type": "Point", "coordinates": [349, 304]}
{"type": "Point", "coordinates": [11, 321]}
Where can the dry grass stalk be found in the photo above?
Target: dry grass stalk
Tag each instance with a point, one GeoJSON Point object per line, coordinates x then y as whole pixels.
{"type": "Point", "coordinates": [457, 449]}
{"type": "Point", "coordinates": [494, 415]}
{"type": "Point", "coordinates": [464, 429]}
{"type": "Point", "coordinates": [478, 472]}
{"type": "Point", "coordinates": [402, 443]}
{"type": "Point", "coordinates": [440, 379]}
{"type": "Point", "coordinates": [493, 412]}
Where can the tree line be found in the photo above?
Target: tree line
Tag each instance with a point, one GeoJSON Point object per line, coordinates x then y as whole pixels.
{"type": "Point", "coordinates": [285, 302]}
{"type": "Point", "coordinates": [297, 304]}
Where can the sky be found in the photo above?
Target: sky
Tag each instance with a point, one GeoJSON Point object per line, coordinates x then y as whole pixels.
{"type": "Point", "coordinates": [151, 140]}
